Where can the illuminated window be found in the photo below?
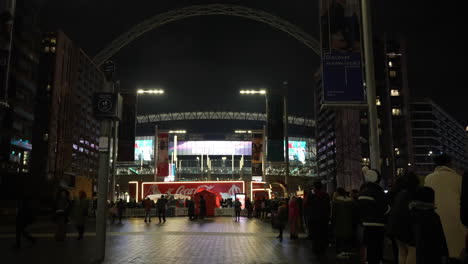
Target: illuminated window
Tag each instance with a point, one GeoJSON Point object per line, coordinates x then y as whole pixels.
{"type": "Point", "coordinates": [396, 111]}
{"type": "Point", "coordinates": [46, 49]}
{"type": "Point", "coordinates": [377, 102]}
{"type": "Point", "coordinates": [392, 74]}
{"type": "Point", "coordinates": [52, 49]}
{"type": "Point", "coordinates": [53, 40]}
{"type": "Point", "coordinates": [390, 64]}
{"type": "Point", "coordinates": [397, 151]}
{"type": "Point", "coordinates": [394, 92]}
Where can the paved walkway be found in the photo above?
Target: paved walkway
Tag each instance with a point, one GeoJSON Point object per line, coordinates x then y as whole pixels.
{"type": "Point", "coordinates": [213, 240]}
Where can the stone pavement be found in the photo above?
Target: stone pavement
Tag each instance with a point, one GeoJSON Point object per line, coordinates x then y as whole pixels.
{"type": "Point", "coordinates": [213, 240]}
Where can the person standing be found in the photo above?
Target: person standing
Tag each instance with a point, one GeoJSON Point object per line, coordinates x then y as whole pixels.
{"type": "Point", "coordinates": [24, 217]}
{"type": "Point", "coordinates": [161, 206]}
{"type": "Point", "coordinates": [248, 207]}
{"type": "Point", "coordinates": [191, 209]}
{"type": "Point", "coordinates": [62, 204]}
{"type": "Point", "coordinates": [237, 209]}
{"type": "Point", "coordinates": [148, 204]}
{"type": "Point", "coordinates": [342, 216]}
{"type": "Point", "coordinates": [293, 212]}
{"type": "Point", "coordinates": [282, 219]}
{"type": "Point", "coordinates": [257, 205]}
{"type": "Point", "coordinates": [373, 208]}
{"type": "Point", "coordinates": [319, 219]}
{"type": "Point", "coordinates": [263, 208]}
{"type": "Point", "coordinates": [399, 222]}
{"type": "Point", "coordinates": [80, 213]}
{"type": "Point", "coordinates": [308, 212]}
{"type": "Point", "coordinates": [202, 207]}
{"type": "Point", "coordinates": [447, 185]}
{"type": "Point", "coordinates": [427, 231]}
{"type": "Point", "coordinates": [120, 209]}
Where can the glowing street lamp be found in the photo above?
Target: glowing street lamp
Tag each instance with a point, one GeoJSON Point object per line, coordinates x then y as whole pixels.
{"type": "Point", "coordinates": [177, 131]}
{"type": "Point", "coordinates": [155, 91]}
{"type": "Point", "coordinates": [261, 92]}
{"type": "Point", "coordinates": [243, 131]}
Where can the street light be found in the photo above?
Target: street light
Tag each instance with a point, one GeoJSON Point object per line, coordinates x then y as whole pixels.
{"type": "Point", "coordinates": [262, 91]}
{"type": "Point", "coordinates": [283, 93]}
{"type": "Point", "coordinates": [177, 131]}
{"type": "Point", "coordinates": [156, 91]}
{"type": "Point", "coordinates": [243, 131]}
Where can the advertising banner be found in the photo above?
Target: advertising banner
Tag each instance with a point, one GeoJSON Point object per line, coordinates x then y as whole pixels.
{"type": "Point", "coordinates": [275, 128]}
{"type": "Point", "coordinates": [162, 161]}
{"type": "Point", "coordinates": [7, 11]}
{"type": "Point", "coordinates": [224, 189]}
{"type": "Point", "coordinates": [341, 52]}
{"type": "Point", "coordinates": [257, 153]}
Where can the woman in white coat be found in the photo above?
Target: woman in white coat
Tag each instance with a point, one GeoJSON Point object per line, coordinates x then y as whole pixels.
{"type": "Point", "coordinates": [447, 186]}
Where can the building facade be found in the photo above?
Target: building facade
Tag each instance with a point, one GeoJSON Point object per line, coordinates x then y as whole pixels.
{"type": "Point", "coordinates": [436, 132]}
{"type": "Point", "coordinates": [17, 120]}
{"type": "Point", "coordinates": [66, 133]}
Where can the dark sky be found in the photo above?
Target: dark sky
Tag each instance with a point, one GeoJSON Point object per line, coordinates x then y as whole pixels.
{"type": "Point", "coordinates": [202, 62]}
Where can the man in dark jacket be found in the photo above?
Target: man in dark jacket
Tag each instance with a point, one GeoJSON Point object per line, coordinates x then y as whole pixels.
{"type": "Point", "coordinates": [399, 224]}
{"type": "Point", "coordinates": [428, 234]}
{"type": "Point", "coordinates": [24, 217]}
{"type": "Point", "coordinates": [373, 209]}
{"type": "Point", "coordinates": [161, 205]}
{"type": "Point", "coordinates": [319, 205]}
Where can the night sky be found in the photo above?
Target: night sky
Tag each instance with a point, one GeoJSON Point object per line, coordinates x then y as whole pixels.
{"type": "Point", "coordinates": [202, 62]}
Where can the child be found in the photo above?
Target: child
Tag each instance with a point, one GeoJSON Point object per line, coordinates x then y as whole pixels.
{"type": "Point", "coordinates": [427, 233]}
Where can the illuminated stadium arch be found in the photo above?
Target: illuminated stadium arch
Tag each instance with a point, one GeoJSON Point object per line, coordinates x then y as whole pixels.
{"type": "Point", "coordinates": [218, 115]}
{"type": "Point", "coordinates": [206, 10]}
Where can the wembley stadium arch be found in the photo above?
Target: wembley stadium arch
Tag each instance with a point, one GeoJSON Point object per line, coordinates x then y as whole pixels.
{"type": "Point", "coordinates": [206, 10]}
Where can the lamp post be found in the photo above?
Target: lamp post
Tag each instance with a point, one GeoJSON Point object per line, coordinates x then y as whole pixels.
{"type": "Point", "coordinates": [283, 92]}
{"type": "Point", "coordinates": [174, 153]}
{"type": "Point", "coordinates": [137, 93]}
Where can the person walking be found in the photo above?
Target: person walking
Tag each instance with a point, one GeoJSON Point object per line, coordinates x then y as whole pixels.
{"type": "Point", "coordinates": [308, 195]}
{"type": "Point", "coordinates": [447, 185]}
{"type": "Point", "coordinates": [62, 205]}
{"type": "Point", "coordinates": [399, 224]}
{"type": "Point", "coordinates": [24, 218]}
{"type": "Point", "coordinates": [342, 218]}
{"type": "Point", "coordinates": [427, 230]}
{"type": "Point", "coordinates": [293, 213]}
{"type": "Point", "coordinates": [148, 204]}
{"type": "Point", "coordinates": [248, 207]}
{"type": "Point", "coordinates": [237, 209]}
{"type": "Point", "coordinates": [258, 210]}
{"type": "Point", "coordinates": [373, 208]}
{"type": "Point", "coordinates": [191, 209]}
{"type": "Point", "coordinates": [319, 202]}
{"type": "Point", "coordinates": [281, 219]}
{"type": "Point", "coordinates": [161, 206]}
{"type": "Point", "coordinates": [202, 207]}
{"type": "Point", "coordinates": [120, 209]}
{"type": "Point", "coordinates": [80, 213]}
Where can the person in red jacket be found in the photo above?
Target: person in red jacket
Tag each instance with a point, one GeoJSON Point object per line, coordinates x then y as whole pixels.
{"type": "Point", "coordinates": [148, 204]}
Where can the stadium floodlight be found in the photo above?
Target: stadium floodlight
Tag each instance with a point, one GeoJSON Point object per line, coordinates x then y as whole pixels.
{"type": "Point", "coordinates": [243, 131]}
{"type": "Point", "coordinates": [261, 92]}
{"type": "Point", "coordinates": [177, 131]}
{"type": "Point", "coordinates": [156, 91]}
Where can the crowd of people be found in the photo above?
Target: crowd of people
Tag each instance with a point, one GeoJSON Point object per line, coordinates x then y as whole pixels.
{"type": "Point", "coordinates": [426, 222]}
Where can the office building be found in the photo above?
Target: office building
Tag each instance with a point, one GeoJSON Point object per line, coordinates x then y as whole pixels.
{"type": "Point", "coordinates": [66, 133]}
{"type": "Point", "coordinates": [17, 120]}
{"type": "Point", "coordinates": [435, 132]}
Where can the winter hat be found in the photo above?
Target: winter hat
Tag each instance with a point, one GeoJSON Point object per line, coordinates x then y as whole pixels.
{"type": "Point", "coordinates": [425, 195]}
{"type": "Point", "coordinates": [370, 175]}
